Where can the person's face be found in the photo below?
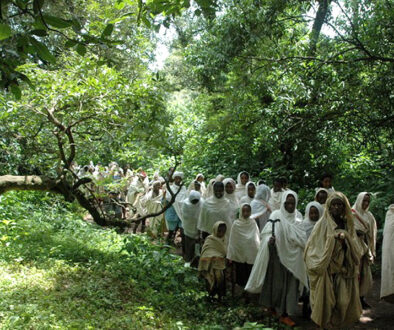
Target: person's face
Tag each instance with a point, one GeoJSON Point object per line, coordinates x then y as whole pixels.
{"type": "Point", "coordinates": [197, 186]}
{"type": "Point", "coordinates": [200, 179]}
{"type": "Point", "coordinates": [194, 201]}
{"type": "Point", "coordinates": [366, 201]}
{"type": "Point", "coordinates": [277, 186]}
{"type": "Point", "coordinates": [251, 191]}
{"type": "Point", "coordinates": [244, 178]}
{"type": "Point", "coordinates": [156, 188]}
{"type": "Point", "coordinates": [246, 211]}
{"type": "Point", "coordinates": [322, 197]}
{"type": "Point", "coordinates": [222, 230]}
{"type": "Point", "coordinates": [177, 180]}
{"type": "Point", "coordinates": [326, 182]}
{"type": "Point", "coordinates": [218, 191]}
{"type": "Point", "coordinates": [290, 204]}
{"type": "Point", "coordinates": [229, 188]}
{"type": "Point", "coordinates": [313, 214]}
{"type": "Point", "coordinates": [337, 208]}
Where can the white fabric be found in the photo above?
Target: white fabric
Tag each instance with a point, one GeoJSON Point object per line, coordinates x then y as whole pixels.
{"type": "Point", "coordinates": [260, 206]}
{"type": "Point", "coordinates": [179, 198]}
{"type": "Point", "coordinates": [387, 284]}
{"type": "Point", "coordinates": [213, 210]}
{"type": "Point", "coordinates": [191, 213]}
{"type": "Point", "coordinates": [307, 224]}
{"type": "Point", "coordinates": [240, 188]}
{"type": "Point", "coordinates": [275, 199]}
{"type": "Point", "coordinates": [244, 240]}
{"type": "Point", "coordinates": [232, 198]}
{"type": "Point", "coordinates": [367, 219]}
{"type": "Point", "coordinates": [321, 189]}
{"type": "Point", "coordinates": [290, 242]}
{"type": "Point", "coordinates": [136, 186]}
{"type": "Point", "coordinates": [246, 199]}
{"type": "Point", "coordinates": [209, 191]}
{"type": "Point", "coordinates": [179, 174]}
{"type": "Point", "coordinates": [150, 204]}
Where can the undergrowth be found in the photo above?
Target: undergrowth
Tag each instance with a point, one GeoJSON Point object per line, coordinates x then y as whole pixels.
{"type": "Point", "coordinates": [59, 272]}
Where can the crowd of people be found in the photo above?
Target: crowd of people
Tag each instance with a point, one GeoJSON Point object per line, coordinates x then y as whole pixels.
{"type": "Point", "coordinates": [323, 258]}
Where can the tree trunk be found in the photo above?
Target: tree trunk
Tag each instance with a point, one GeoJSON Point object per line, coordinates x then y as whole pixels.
{"type": "Point", "coordinates": [28, 182]}
{"type": "Point", "coordinates": [317, 25]}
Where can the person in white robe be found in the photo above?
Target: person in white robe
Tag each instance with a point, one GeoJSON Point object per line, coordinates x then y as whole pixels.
{"type": "Point", "coordinates": [173, 213]}
{"type": "Point", "coordinates": [250, 190]}
{"type": "Point", "coordinates": [209, 191]}
{"type": "Point", "coordinates": [276, 194]}
{"type": "Point", "coordinates": [201, 179]}
{"type": "Point", "coordinates": [366, 230]}
{"type": "Point", "coordinates": [229, 193]}
{"type": "Point", "coordinates": [279, 272]}
{"type": "Point", "coordinates": [261, 210]}
{"type": "Point", "coordinates": [321, 195]}
{"type": "Point", "coordinates": [326, 183]}
{"type": "Point", "coordinates": [387, 283]}
{"type": "Point", "coordinates": [191, 209]}
{"type": "Point", "coordinates": [313, 212]}
{"type": "Point", "coordinates": [242, 179]}
{"type": "Point", "coordinates": [150, 204]}
{"type": "Point", "coordinates": [215, 208]}
{"type": "Point", "coordinates": [243, 244]}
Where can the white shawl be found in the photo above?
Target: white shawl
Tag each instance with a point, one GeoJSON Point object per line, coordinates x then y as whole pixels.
{"type": "Point", "coordinates": [240, 188]}
{"type": "Point", "coordinates": [244, 240]}
{"type": "Point", "coordinates": [246, 199]}
{"type": "Point", "coordinates": [213, 210]}
{"type": "Point", "coordinates": [191, 213]}
{"type": "Point", "coordinates": [275, 199]}
{"type": "Point", "coordinates": [387, 285]}
{"type": "Point", "coordinates": [290, 242]}
{"type": "Point", "coordinates": [260, 207]}
{"type": "Point", "coordinates": [232, 198]}
{"type": "Point", "coordinates": [307, 224]}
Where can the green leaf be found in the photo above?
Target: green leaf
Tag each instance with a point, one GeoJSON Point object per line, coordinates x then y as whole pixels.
{"type": "Point", "coordinates": [70, 43]}
{"type": "Point", "coordinates": [108, 30]}
{"type": "Point", "coordinates": [42, 51]}
{"type": "Point", "coordinates": [57, 22]}
{"type": "Point", "coordinates": [81, 49]}
{"type": "Point", "coordinates": [40, 33]}
{"type": "Point", "coordinates": [16, 91]}
{"type": "Point", "coordinates": [37, 5]}
{"type": "Point", "coordinates": [5, 31]}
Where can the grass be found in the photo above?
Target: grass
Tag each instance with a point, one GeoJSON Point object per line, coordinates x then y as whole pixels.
{"type": "Point", "coordinates": [59, 272]}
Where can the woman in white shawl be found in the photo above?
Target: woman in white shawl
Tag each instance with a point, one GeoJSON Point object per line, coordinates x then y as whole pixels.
{"type": "Point", "coordinates": [332, 258]}
{"type": "Point", "coordinates": [279, 271]}
{"type": "Point", "coordinates": [366, 230]}
{"type": "Point", "coordinates": [250, 190]}
{"type": "Point", "coordinates": [229, 193]}
{"type": "Point", "coordinates": [209, 191]}
{"type": "Point", "coordinates": [387, 284]}
{"type": "Point", "coordinates": [276, 194]}
{"type": "Point", "coordinates": [150, 204]}
{"type": "Point", "coordinates": [191, 209]}
{"type": "Point", "coordinates": [261, 210]}
{"type": "Point", "coordinates": [215, 208]}
{"type": "Point", "coordinates": [321, 195]}
{"type": "Point", "coordinates": [212, 262]}
{"type": "Point", "coordinates": [313, 212]}
{"type": "Point", "coordinates": [242, 180]}
{"type": "Point", "coordinates": [243, 244]}
{"type": "Point", "coordinates": [200, 178]}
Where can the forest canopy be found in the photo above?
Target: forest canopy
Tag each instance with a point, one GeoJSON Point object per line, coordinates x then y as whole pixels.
{"type": "Point", "coordinates": [293, 88]}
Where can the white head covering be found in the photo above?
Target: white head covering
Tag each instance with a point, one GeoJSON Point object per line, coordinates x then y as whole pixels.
{"type": "Point", "coordinates": [244, 240]}
{"type": "Point", "coordinates": [232, 198]}
{"type": "Point", "coordinates": [290, 242]}
{"type": "Point", "coordinates": [179, 174]}
{"type": "Point", "coordinates": [319, 190]}
{"type": "Point", "coordinates": [191, 213]}
{"type": "Point", "coordinates": [246, 198]}
{"type": "Point", "coordinates": [260, 207]}
{"type": "Point", "coordinates": [240, 188]}
{"type": "Point", "coordinates": [307, 224]}
{"type": "Point", "coordinates": [365, 221]}
{"type": "Point", "coordinates": [219, 178]}
{"type": "Point", "coordinates": [209, 191]}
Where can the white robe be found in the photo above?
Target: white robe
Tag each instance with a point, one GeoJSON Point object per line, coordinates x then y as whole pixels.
{"type": "Point", "coordinates": [307, 224]}
{"type": "Point", "coordinates": [190, 214]}
{"type": "Point", "coordinates": [290, 241]}
{"type": "Point", "coordinates": [261, 209]}
{"type": "Point", "coordinates": [275, 199]}
{"type": "Point", "coordinates": [240, 188]}
{"type": "Point", "coordinates": [244, 241]}
{"type": "Point", "coordinates": [387, 284]}
{"type": "Point", "coordinates": [213, 210]}
{"type": "Point", "coordinates": [232, 198]}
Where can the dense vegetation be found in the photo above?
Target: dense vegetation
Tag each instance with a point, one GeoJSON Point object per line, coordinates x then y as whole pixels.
{"type": "Point", "coordinates": [274, 87]}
